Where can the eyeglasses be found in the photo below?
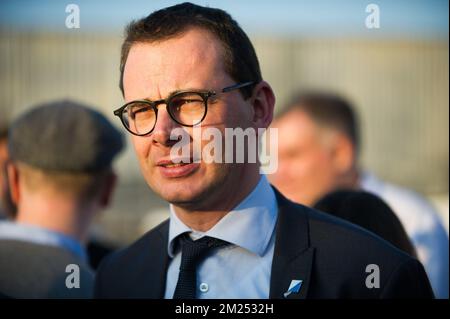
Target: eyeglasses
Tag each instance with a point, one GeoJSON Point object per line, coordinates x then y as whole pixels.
{"type": "Point", "coordinates": [187, 108]}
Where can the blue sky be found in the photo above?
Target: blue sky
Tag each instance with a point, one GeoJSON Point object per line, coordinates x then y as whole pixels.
{"type": "Point", "coordinates": [398, 18]}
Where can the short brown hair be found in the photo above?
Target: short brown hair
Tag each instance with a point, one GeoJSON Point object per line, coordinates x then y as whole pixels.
{"type": "Point", "coordinates": [327, 109]}
{"type": "Point", "coordinates": [82, 186]}
{"type": "Point", "coordinates": [240, 59]}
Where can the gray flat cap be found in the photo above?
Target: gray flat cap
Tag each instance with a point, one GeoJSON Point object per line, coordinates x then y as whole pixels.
{"type": "Point", "coordinates": [64, 136]}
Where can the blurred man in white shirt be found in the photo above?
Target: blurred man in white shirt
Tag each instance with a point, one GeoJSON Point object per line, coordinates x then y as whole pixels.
{"type": "Point", "coordinates": [318, 153]}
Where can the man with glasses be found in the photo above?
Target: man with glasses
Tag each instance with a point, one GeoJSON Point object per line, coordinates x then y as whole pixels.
{"type": "Point", "coordinates": [230, 234]}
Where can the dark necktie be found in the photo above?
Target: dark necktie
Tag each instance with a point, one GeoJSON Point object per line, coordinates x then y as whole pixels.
{"type": "Point", "coordinates": [192, 252]}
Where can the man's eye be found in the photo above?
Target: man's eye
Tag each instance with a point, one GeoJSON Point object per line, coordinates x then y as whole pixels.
{"type": "Point", "coordinates": [185, 102]}
{"type": "Point", "coordinates": [136, 110]}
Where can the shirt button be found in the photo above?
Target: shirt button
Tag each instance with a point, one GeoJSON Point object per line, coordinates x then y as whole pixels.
{"type": "Point", "coordinates": [204, 287]}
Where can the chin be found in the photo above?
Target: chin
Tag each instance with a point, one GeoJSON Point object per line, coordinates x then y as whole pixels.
{"type": "Point", "coordinates": [180, 192]}
{"type": "Point", "coordinates": [194, 191]}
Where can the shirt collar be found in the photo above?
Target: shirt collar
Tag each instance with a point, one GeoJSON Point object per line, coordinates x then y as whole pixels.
{"type": "Point", "coordinates": [249, 225]}
{"type": "Point", "coordinates": [30, 233]}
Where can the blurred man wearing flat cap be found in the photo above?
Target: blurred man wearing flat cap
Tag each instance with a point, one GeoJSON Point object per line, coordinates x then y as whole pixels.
{"type": "Point", "coordinates": [60, 176]}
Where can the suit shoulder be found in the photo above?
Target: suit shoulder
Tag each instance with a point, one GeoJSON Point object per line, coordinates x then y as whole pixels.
{"type": "Point", "coordinates": [345, 254]}
{"type": "Point", "coordinates": [334, 237]}
{"type": "Point", "coordinates": [342, 235]}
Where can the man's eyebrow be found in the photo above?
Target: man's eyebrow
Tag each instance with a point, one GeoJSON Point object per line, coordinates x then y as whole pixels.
{"type": "Point", "coordinates": [172, 93]}
{"type": "Point", "coordinates": [191, 89]}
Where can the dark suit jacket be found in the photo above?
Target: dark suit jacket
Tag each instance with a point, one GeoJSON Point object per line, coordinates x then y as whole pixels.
{"type": "Point", "coordinates": [29, 270]}
{"type": "Point", "coordinates": [329, 254]}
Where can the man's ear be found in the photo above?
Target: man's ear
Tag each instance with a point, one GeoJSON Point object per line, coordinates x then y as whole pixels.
{"type": "Point", "coordinates": [263, 101]}
{"type": "Point", "coordinates": [107, 192]}
{"type": "Point", "coordinates": [13, 173]}
{"type": "Point", "coordinates": [343, 154]}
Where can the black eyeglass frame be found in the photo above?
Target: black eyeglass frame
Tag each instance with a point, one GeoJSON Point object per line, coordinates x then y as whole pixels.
{"type": "Point", "coordinates": [154, 105]}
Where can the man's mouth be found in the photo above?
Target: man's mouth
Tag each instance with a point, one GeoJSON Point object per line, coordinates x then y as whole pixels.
{"type": "Point", "coordinates": [174, 169]}
{"type": "Point", "coordinates": [173, 164]}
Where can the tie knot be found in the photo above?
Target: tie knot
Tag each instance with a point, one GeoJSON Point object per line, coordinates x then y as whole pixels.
{"type": "Point", "coordinates": [192, 251]}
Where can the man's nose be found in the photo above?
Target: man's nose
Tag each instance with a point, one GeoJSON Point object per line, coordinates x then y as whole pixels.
{"type": "Point", "coordinates": [163, 128]}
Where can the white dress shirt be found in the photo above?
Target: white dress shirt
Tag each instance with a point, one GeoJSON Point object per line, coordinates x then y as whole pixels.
{"type": "Point", "coordinates": [239, 270]}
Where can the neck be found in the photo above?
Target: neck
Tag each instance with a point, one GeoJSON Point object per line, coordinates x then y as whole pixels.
{"type": "Point", "coordinates": [227, 198]}
{"type": "Point", "coordinates": [59, 214]}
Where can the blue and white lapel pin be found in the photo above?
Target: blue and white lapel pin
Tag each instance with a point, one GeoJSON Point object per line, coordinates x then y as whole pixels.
{"type": "Point", "coordinates": [294, 287]}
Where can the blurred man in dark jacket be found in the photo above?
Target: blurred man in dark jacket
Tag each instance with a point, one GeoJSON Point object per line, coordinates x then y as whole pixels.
{"type": "Point", "coordinates": [60, 176]}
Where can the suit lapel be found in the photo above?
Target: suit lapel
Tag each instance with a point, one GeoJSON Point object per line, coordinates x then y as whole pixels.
{"type": "Point", "coordinates": [293, 256]}
{"type": "Point", "coordinates": [157, 264]}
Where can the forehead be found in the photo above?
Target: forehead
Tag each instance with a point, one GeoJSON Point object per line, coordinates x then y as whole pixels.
{"type": "Point", "coordinates": [190, 60]}
{"type": "Point", "coordinates": [295, 128]}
